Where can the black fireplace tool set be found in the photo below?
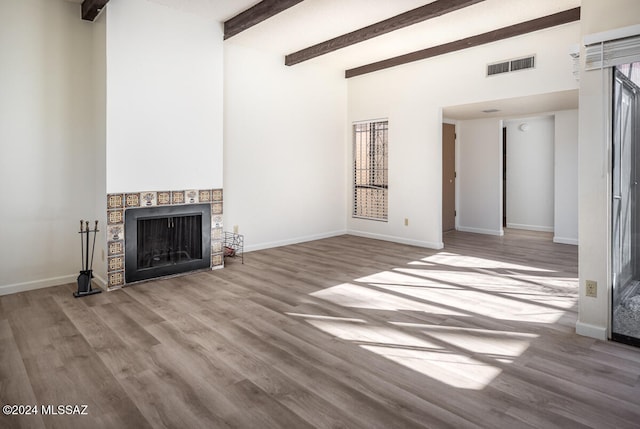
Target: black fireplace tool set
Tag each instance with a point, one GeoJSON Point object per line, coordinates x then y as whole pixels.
{"type": "Point", "coordinates": [84, 279]}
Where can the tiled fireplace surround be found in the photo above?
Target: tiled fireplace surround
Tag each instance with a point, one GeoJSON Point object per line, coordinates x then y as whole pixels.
{"type": "Point", "coordinates": [118, 203]}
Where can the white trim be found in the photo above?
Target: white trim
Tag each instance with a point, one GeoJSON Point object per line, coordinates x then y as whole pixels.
{"type": "Point", "coordinates": [593, 331]}
{"type": "Point", "coordinates": [409, 241]}
{"type": "Point", "coordinates": [565, 240]}
{"type": "Point", "coordinates": [99, 281]}
{"type": "Point", "coordinates": [296, 240]}
{"type": "Point", "coordinates": [366, 121]}
{"type": "Point", "coordinates": [499, 232]}
{"type": "Point", "coordinates": [530, 227]}
{"type": "Point", "coordinates": [37, 284]}
{"type": "Point", "coordinates": [618, 33]}
{"type": "Point", "coordinates": [50, 282]}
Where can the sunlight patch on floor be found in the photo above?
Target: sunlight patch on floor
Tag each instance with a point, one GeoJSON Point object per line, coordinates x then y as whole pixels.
{"type": "Point", "coordinates": [355, 296]}
{"type": "Point", "coordinates": [444, 358]}
{"type": "Point", "coordinates": [456, 370]}
{"type": "Point", "coordinates": [454, 260]}
{"type": "Point", "coordinates": [503, 346]}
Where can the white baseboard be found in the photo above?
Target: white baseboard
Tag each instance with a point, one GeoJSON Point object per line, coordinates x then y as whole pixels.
{"type": "Point", "coordinates": [481, 231]}
{"type": "Point", "coordinates": [530, 227]}
{"type": "Point", "coordinates": [296, 240]}
{"type": "Point", "coordinates": [53, 281]}
{"type": "Point", "coordinates": [593, 331]}
{"type": "Point", "coordinates": [427, 244]}
{"type": "Point", "coordinates": [564, 240]}
{"type": "Point", "coordinates": [99, 281]}
{"type": "Point", "coordinates": [37, 284]}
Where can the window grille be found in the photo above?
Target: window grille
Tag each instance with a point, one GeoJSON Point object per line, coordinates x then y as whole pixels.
{"type": "Point", "coordinates": [370, 170]}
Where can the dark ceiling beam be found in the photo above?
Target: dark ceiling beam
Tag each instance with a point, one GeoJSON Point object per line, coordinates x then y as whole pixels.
{"type": "Point", "coordinates": [560, 18]}
{"type": "Point", "coordinates": [91, 8]}
{"type": "Point", "coordinates": [255, 15]}
{"type": "Point", "coordinates": [414, 16]}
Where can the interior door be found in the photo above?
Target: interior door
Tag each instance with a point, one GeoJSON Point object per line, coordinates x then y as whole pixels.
{"type": "Point", "coordinates": [448, 177]}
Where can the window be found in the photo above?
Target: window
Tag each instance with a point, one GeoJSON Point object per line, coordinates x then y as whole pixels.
{"type": "Point", "coordinates": [370, 170]}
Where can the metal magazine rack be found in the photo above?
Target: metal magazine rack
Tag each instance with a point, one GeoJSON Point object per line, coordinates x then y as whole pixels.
{"type": "Point", "coordinates": [234, 245]}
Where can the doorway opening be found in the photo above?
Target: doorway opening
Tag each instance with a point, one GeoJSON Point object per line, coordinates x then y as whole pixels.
{"type": "Point", "coordinates": [448, 177]}
{"type": "Point", "coordinates": [504, 177]}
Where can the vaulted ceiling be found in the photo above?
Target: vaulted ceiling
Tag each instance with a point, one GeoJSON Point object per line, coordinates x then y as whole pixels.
{"type": "Point", "coordinates": [291, 28]}
{"type": "Point", "coordinates": [303, 24]}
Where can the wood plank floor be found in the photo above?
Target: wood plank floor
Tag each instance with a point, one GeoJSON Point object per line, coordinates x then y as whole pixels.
{"type": "Point", "coordinates": [345, 332]}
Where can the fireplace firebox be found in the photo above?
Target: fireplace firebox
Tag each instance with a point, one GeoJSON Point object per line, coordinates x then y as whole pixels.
{"type": "Point", "coordinates": [162, 241]}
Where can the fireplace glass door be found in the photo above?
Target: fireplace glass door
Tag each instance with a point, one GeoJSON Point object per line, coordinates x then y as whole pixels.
{"type": "Point", "coordinates": [163, 241]}
{"type": "Point", "coordinates": [625, 199]}
{"type": "Point", "coordinates": [169, 240]}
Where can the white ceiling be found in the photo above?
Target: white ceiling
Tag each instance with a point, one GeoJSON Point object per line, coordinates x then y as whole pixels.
{"type": "Point", "coordinates": [314, 21]}
{"type": "Point", "coordinates": [515, 107]}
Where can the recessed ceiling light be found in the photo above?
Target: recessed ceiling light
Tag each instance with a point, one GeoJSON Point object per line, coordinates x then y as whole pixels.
{"type": "Point", "coordinates": [490, 111]}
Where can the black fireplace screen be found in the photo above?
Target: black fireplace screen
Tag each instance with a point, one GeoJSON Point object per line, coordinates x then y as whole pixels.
{"type": "Point", "coordinates": [162, 241]}
{"type": "Point", "coordinates": [167, 241]}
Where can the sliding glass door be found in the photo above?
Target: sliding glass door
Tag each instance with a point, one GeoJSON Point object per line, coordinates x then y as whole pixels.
{"type": "Point", "coordinates": [625, 210]}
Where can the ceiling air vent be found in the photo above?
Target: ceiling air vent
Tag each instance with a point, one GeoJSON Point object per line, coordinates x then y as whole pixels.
{"type": "Point", "coordinates": [511, 65]}
{"type": "Point", "coordinates": [498, 68]}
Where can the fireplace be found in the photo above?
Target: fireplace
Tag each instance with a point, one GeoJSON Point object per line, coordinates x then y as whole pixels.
{"type": "Point", "coordinates": [162, 241]}
{"type": "Point", "coordinates": [152, 234]}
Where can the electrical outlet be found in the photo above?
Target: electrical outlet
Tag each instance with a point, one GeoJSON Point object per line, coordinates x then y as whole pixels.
{"type": "Point", "coordinates": [406, 221]}
{"type": "Point", "coordinates": [235, 229]}
{"type": "Point", "coordinates": [591, 288]}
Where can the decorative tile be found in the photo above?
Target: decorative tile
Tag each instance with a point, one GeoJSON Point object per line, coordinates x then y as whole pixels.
{"type": "Point", "coordinates": [216, 234]}
{"type": "Point", "coordinates": [204, 195]}
{"type": "Point", "coordinates": [115, 232]}
{"type": "Point", "coordinates": [115, 201]}
{"type": "Point", "coordinates": [116, 279]}
{"type": "Point", "coordinates": [216, 221]}
{"type": "Point", "coordinates": [116, 263]}
{"type": "Point", "coordinates": [148, 199]}
{"type": "Point", "coordinates": [115, 216]}
{"type": "Point", "coordinates": [216, 246]}
{"type": "Point", "coordinates": [177, 197]}
{"type": "Point", "coordinates": [115, 248]}
{"type": "Point", "coordinates": [132, 200]}
{"type": "Point", "coordinates": [217, 195]}
{"type": "Point", "coordinates": [191, 197]}
{"type": "Point", "coordinates": [216, 208]}
{"type": "Point", "coordinates": [217, 260]}
{"type": "Point", "coordinates": [164, 198]}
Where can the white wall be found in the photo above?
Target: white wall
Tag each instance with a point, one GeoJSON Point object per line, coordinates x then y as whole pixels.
{"type": "Point", "coordinates": [99, 85]}
{"type": "Point", "coordinates": [412, 97]}
{"type": "Point", "coordinates": [285, 149]}
{"type": "Point", "coordinates": [480, 176]}
{"type": "Point", "coordinates": [164, 98]}
{"type": "Point", "coordinates": [594, 177]}
{"type": "Point", "coordinates": [530, 173]}
{"type": "Point", "coordinates": [566, 177]}
{"type": "Point", "coordinates": [46, 137]}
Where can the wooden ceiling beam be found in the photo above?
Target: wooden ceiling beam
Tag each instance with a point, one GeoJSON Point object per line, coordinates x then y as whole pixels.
{"type": "Point", "coordinates": [91, 8]}
{"type": "Point", "coordinates": [255, 15]}
{"type": "Point", "coordinates": [548, 21]}
{"type": "Point", "coordinates": [414, 16]}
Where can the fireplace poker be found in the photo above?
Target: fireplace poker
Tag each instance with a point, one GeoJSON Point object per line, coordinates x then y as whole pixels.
{"type": "Point", "coordinates": [84, 279]}
{"type": "Point", "coordinates": [93, 247]}
{"type": "Point", "coordinates": [86, 255]}
{"type": "Point", "coordinates": [81, 232]}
